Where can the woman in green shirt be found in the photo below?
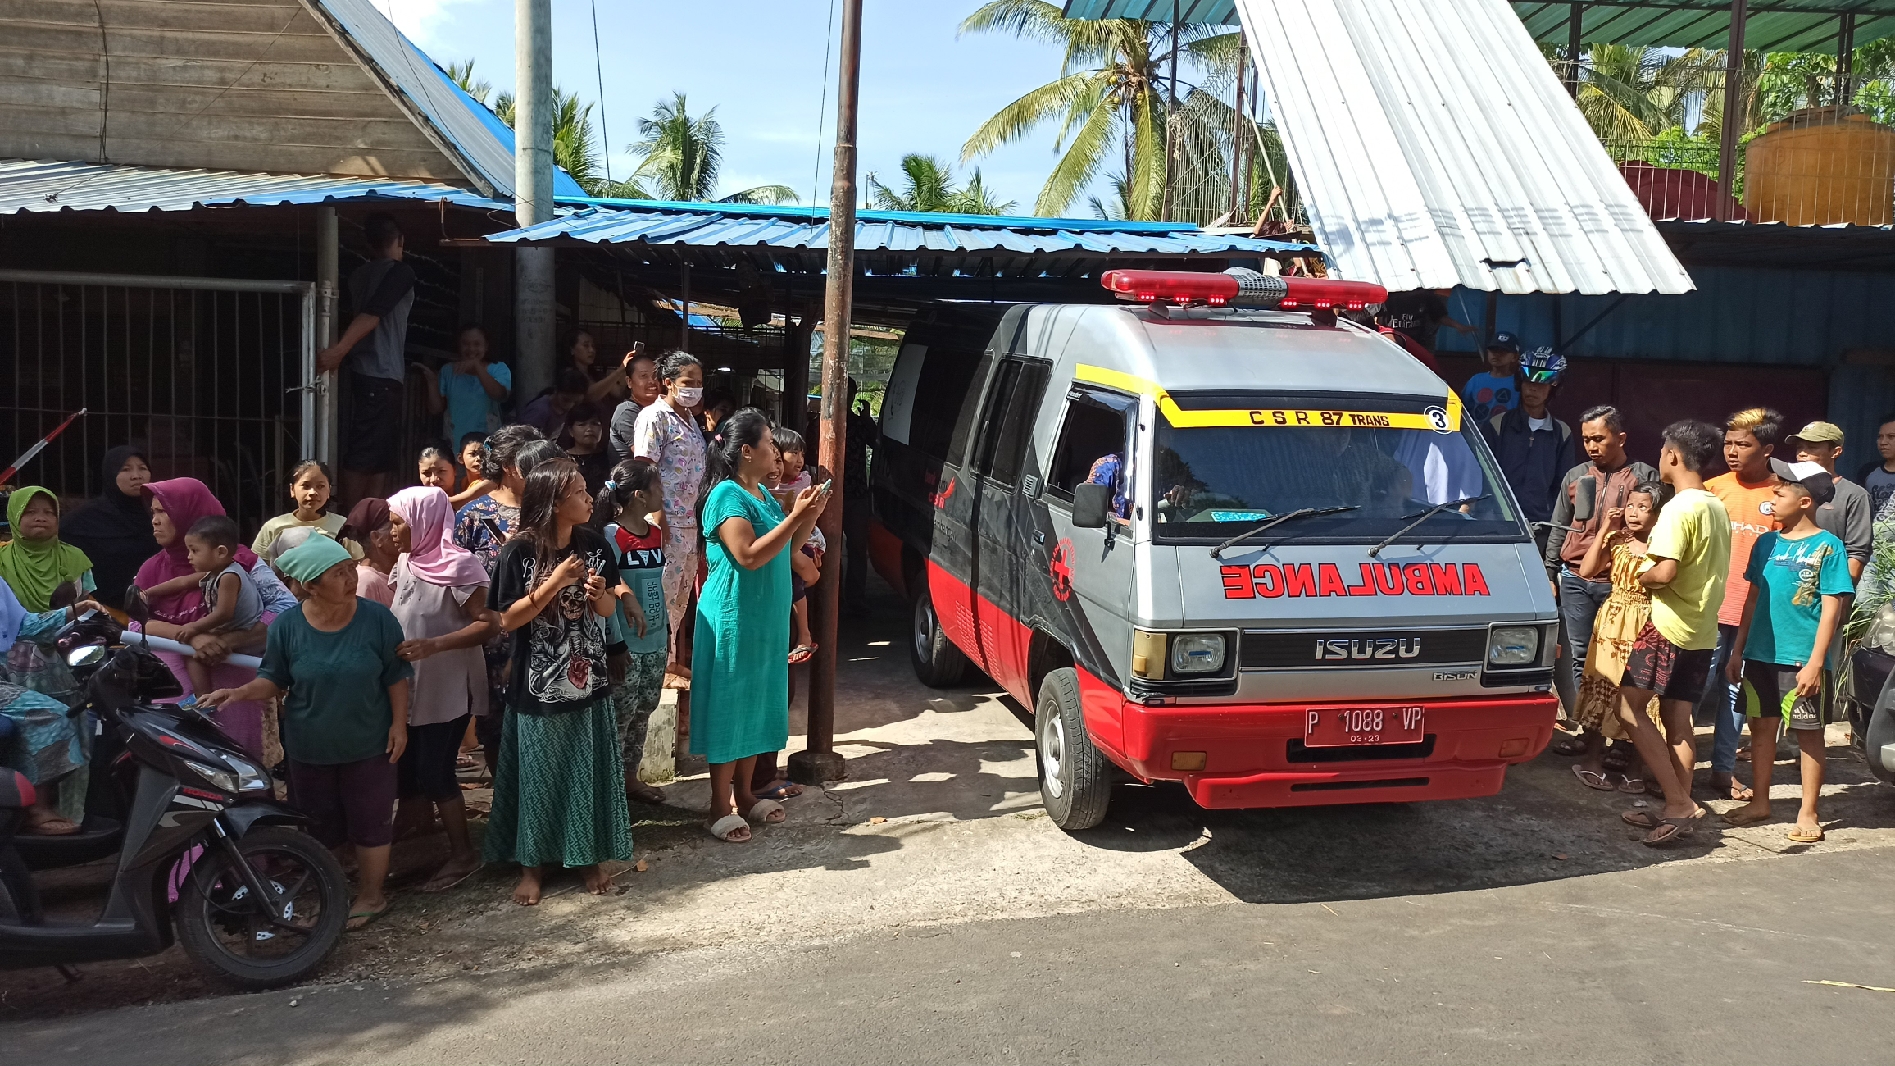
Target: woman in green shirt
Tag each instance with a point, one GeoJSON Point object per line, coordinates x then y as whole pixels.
{"type": "Point", "coordinates": [345, 710]}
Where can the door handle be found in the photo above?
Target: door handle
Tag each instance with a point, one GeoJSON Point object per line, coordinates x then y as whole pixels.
{"type": "Point", "coordinates": [1039, 536]}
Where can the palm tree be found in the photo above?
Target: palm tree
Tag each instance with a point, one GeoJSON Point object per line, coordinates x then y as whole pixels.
{"type": "Point", "coordinates": [680, 157]}
{"type": "Point", "coordinates": [1112, 92]}
{"type": "Point", "coordinates": [574, 150]}
{"type": "Point", "coordinates": [462, 74]}
{"type": "Point", "coordinates": [929, 186]}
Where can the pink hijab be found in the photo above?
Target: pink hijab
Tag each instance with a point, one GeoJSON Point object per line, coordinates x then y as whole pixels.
{"type": "Point", "coordinates": [185, 499]}
{"type": "Point", "coordinates": [433, 555]}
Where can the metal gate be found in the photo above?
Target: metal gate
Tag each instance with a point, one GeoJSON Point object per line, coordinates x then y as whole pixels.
{"type": "Point", "coordinates": [211, 375]}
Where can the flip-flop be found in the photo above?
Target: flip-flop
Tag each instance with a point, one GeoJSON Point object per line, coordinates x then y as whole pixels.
{"type": "Point", "coordinates": [1800, 835]}
{"type": "Point", "coordinates": [1586, 777]}
{"type": "Point", "coordinates": [780, 790]}
{"type": "Point", "coordinates": [1648, 820]}
{"type": "Point", "coordinates": [644, 793]}
{"type": "Point", "coordinates": [767, 812]}
{"type": "Point", "coordinates": [1632, 786]}
{"type": "Point", "coordinates": [1669, 831]}
{"type": "Point", "coordinates": [802, 653]}
{"type": "Point", "coordinates": [728, 825]}
{"type": "Point", "coordinates": [368, 917]}
{"type": "Point", "coordinates": [437, 884]}
{"type": "Point", "coordinates": [1567, 744]}
{"type": "Point", "coordinates": [1739, 818]}
{"type": "Point", "coordinates": [56, 826]}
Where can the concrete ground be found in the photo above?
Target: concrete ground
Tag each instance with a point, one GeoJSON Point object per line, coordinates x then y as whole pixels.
{"type": "Point", "coordinates": [883, 921]}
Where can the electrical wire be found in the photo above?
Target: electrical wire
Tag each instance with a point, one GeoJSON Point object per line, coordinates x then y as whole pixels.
{"type": "Point", "coordinates": [598, 67]}
{"type": "Point", "coordinates": [822, 110]}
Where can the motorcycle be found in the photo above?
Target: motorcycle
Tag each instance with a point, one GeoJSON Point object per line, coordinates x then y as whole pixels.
{"type": "Point", "coordinates": [1868, 696]}
{"type": "Point", "coordinates": [205, 853]}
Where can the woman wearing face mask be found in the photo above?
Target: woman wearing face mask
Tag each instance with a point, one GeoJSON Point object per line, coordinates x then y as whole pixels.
{"type": "Point", "coordinates": [114, 529]}
{"type": "Point", "coordinates": [667, 434]}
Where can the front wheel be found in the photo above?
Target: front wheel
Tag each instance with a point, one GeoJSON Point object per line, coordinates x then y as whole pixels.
{"type": "Point", "coordinates": [232, 934]}
{"type": "Point", "coordinates": [1075, 780]}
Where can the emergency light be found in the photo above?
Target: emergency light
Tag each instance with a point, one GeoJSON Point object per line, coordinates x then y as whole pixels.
{"type": "Point", "coordinates": [1240, 287]}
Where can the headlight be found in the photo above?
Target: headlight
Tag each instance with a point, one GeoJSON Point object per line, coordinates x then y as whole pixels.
{"type": "Point", "coordinates": [1197, 653]}
{"type": "Point", "coordinates": [222, 780]}
{"type": "Point", "coordinates": [1513, 646]}
{"type": "Point", "coordinates": [250, 777]}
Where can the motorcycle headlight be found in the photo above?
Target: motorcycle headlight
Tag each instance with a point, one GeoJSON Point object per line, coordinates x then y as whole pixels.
{"type": "Point", "coordinates": [1197, 653]}
{"type": "Point", "coordinates": [1510, 646]}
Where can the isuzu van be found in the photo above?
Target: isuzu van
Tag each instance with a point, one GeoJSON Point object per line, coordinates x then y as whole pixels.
{"type": "Point", "coordinates": [1214, 534]}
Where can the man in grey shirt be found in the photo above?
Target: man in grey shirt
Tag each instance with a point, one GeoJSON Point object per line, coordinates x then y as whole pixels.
{"type": "Point", "coordinates": [382, 291]}
{"type": "Point", "coordinates": [641, 380]}
{"type": "Point", "coordinates": [1851, 514]}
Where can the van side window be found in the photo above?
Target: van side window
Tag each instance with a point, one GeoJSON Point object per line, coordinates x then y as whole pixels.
{"type": "Point", "coordinates": [1097, 426]}
{"type": "Point", "coordinates": [1021, 384]}
{"type": "Point", "coordinates": [945, 374]}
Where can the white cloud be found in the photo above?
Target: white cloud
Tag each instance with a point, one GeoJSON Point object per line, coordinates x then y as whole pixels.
{"type": "Point", "coordinates": [418, 18]}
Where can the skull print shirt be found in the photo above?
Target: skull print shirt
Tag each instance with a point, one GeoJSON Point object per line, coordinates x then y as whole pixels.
{"type": "Point", "coordinates": [559, 658]}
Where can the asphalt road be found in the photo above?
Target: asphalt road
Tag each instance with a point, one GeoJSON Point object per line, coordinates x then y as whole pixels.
{"type": "Point", "coordinates": [1682, 963]}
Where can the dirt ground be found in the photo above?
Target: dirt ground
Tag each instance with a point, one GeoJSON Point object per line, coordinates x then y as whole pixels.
{"type": "Point", "coordinates": [939, 823]}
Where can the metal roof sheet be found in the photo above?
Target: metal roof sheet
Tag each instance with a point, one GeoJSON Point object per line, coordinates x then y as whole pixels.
{"type": "Point", "coordinates": [33, 186]}
{"type": "Point", "coordinates": [1773, 25]}
{"type": "Point", "coordinates": [465, 128]}
{"type": "Point", "coordinates": [904, 241]}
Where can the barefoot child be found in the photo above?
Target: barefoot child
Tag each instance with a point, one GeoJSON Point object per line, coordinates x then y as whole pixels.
{"type": "Point", "coordinates": [629, 498]}
{"type": "Point", "coordinates": [1618, 552]}
{"type": "Point", "coordinates": [1798, 578]}
{"type": "Point", "coordinates": [232, 603]}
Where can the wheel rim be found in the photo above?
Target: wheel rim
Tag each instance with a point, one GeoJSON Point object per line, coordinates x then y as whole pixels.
{"type": "Point", "coordinates": [1053, 755]}
{"type": "Point", "coordinates": [924, 628]}
{"type": "Point", "coordinates": [239, 926]}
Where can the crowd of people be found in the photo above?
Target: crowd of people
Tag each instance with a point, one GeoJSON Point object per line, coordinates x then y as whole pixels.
{"type": "Point", "coordinates": [1721, 577]}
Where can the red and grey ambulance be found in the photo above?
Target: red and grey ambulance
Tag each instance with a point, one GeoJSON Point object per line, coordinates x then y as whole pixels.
{"type": "Point", "coordinates": [1214, 535]}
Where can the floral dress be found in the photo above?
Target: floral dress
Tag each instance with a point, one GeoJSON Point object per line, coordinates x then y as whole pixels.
{"type": "Point", "coordinates": [1626, 611]}
{"type": "Point", "coordinates": [676, 445]}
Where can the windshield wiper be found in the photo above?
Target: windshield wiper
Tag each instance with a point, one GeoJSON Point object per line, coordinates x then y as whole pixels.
{"type": "Point", "coordinates": [1420, 517]}
{"type": "Point", "coordinates": [1302, 512]}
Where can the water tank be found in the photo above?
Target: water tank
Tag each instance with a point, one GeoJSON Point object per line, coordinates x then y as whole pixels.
{"type": "Point", "coordinates": [1821, 166]}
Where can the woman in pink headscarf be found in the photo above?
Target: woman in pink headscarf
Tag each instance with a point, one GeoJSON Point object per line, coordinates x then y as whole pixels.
{"type": "Point", "coordinates": [175, 506]}
{"type": "Point", "coordinates": [441, 603]}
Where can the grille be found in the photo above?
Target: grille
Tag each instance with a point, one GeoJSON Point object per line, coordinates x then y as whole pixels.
{"type": "Point", "coordinates": [1362, 648]}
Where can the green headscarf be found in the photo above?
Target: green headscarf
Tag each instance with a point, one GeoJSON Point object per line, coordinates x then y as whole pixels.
{"type": "Point", "coordinates": [311, 559]}
{"type": "Point", "coordinates": [35, 568]}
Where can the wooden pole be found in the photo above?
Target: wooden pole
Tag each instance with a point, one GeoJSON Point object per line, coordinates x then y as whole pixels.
{"type": "Point", "coordinates": [1845, 56]}
{"type": "Point", "coordinates": [818, 762]}
{"type": "Point", "coordinates": [1575, 23]}
{"type": "Point", "coordinates": [1733, 102]}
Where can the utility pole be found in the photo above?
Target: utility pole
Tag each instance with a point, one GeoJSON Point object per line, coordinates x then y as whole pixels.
{"type": "Point", "coordinates": [818, 762]}
{"type": "Point", "coordinates": [533, 316]}
{"type": "Point", "coordinates": [1732, 122]}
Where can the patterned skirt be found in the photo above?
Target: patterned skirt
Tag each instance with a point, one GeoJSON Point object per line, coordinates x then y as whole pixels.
{"type": "Point", "coordinates": [1613, 632]}
{"type": "Point", "coordinates": [559, 795]}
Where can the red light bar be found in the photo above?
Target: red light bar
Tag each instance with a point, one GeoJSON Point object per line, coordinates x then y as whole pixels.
{"type": "Point", "coordinates": [1242, 287]}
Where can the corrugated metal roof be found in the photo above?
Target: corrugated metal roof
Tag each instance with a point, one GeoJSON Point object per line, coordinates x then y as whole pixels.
{"type": "Point", "coordinates": [466, 129]}
{"type": "Point", "coordinates": [1773, 25]}
{"type": "Point", "coordinates": [1424, 170]}
{"type": "Point", "coordinates": [29, 186]}
{"type": "Point", "coordinates": [797, 238]}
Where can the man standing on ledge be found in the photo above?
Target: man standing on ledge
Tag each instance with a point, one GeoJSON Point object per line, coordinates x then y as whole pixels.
{"type": "Point", "coordinates": [382, 291]}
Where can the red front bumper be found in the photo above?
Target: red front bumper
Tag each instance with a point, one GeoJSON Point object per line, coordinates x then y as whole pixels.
{"type": "Point", "coordinates": [1254, 758]}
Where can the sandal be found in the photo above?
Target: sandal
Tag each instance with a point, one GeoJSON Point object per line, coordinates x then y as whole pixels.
{"type": "Point", "coordinates": [767, 812]}
{"type": "Point", "coordinates": [1567, 744]}
{"type": "Point", "coordinates": [644, 793]}
{"type": "Point", "coordinates": [1669, 831]}
{"type": "Point", "coordinates": [1648, 820]}
{"type": "Point", "coordinates": [728, 827]}
{"type": "Point", "coordinates": [53, 825]}
{"type": "Point", "coordinates": [1632, 786]}
{"type": "Point", "coordinates": [1800, 835]}
{"type": "Point", "coordinates": [1592, 779]}
{"type": "Point", "coordinates": [802, 653]}
{"type": "Point", "coordinates": [780, 790]}
{"type": "Point", "coordinates": [1722, 783]}
{"type": "Point", "coordinates": [361, 919]}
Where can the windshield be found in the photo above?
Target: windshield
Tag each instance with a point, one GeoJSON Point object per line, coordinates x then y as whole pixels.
{"type": "Point", "coordinates": [1377, 455]}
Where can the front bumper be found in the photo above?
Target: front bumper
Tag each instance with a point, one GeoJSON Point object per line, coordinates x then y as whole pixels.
{"type": "Point", "coordinates": [1254, 754]}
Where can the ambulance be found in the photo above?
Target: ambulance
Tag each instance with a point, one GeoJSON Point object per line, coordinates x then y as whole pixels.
{"type": "Point", "coordinates": [1213, 533]}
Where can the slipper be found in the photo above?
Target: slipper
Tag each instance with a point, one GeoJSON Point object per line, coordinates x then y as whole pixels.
{"type": "Point", "coordinates": [1800, 835]}
{"type": "Point", "coordinates": [1567, 744]}
{"type": "Point", "coordinates": [450, 881]}
{"type": "Point", "coordinates": [1632, 786]}
{"type": "Point", "coordinates": [464, 761]}
{"type": "Point", "coordinates": [1739, 818]}
{"type": "Point", "coordinates": [1592, 779]}
{"type": "Point", "coordinates": [1617, 760]}
{"type": "Point", "coordinates": [1737, 789]}
{"type": "Point", "coordinates": [366, 917]}
{"type": "Point", "coordinates": [729, 825]}
{"type": "Point", "coordinates": [53, 826]}
{"type": "Point", "coordinates": [644, 793]}
{"type": "Point", "coordinates": [767, 812]}
{"type": "Point", "coordinates": [1648, 820]}
{"type": "Point", "coordinates": [780, 790]}
{"type": "Point", "coordinates": [802, 653]}
{"type": "Point", "coordinates": [1669, 831]}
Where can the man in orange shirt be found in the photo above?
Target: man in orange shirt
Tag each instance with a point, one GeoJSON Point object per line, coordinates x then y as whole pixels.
{"type": "Point", "coordinates": [1746, 492]}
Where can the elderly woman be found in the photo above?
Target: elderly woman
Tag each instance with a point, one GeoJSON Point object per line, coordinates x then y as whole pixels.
{"type": "Point", "coordinates": [49, 747]}
{"type": "Point", "coordinates": [175, 506]}
{"type": "Point", "coordinates": [345, 715]}
{"type": "Point", "coordinates": [114, 529]}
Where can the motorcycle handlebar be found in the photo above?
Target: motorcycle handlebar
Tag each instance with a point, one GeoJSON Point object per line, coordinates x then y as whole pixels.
{"type": "Point", "coordinates": [172, 646]}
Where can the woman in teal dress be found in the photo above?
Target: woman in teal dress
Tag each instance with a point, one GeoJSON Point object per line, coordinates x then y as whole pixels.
{"type": "Point", "coordinates": [740, 693]}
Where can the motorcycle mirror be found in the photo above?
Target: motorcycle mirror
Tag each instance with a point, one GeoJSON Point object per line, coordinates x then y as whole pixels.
{"type": "Point", "coordinates": [135, 606]}
{"type": "Point", "coordinates": [90, 655]}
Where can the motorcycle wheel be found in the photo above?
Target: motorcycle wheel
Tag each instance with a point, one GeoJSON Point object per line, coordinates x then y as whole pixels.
{"type": "Point", "coordinates": [227, 932]}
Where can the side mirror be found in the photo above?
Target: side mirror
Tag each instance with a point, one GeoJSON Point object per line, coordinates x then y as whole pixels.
{"type": "Point", "coordinates": [1091, 505]}
{"type": "Point", "coordinates": [88, 655]}
{"type": "Point", "coordinates": [135, 606]}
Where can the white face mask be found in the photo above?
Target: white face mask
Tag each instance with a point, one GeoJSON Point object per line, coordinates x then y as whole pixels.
{"type": "Point", "coordinates": [690, 397]}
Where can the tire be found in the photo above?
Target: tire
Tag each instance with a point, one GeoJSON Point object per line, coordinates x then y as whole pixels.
{"type": "Point", "coordinates": [223, 931]}
{"type": "Point", "coordinates": [938, 663]}
{"type": "Point", "coordinates": [1075, 779]}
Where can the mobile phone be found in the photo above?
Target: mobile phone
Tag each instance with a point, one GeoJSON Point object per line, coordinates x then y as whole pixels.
{"type": "Point", "coordinates": [828, 485]}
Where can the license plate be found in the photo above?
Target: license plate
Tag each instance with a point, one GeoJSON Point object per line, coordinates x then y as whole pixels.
{"type": "Point", "coordinates": [1345, 727]}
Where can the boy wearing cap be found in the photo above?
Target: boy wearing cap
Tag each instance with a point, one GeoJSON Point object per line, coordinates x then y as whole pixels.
{"type": "Point", "coordinates": [1851, 514]}
{"type": "Point", "coordinates": [1798, 578]}
{"type": "Point", "coordinates": [1498, 390]}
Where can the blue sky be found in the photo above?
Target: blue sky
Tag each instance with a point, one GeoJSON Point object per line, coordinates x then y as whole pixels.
{"type": "Point", "coordinates": [760, 62]}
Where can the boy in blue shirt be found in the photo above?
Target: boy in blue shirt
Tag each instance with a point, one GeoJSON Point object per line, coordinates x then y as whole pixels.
{"type": "Point", "coordinates": [1496, 391]}
{"type": "Point", "coordinates": [1799, 578]}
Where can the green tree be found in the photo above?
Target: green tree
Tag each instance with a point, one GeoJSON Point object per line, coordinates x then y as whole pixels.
{"type": "Point", "coordinates": [574, 148]}
{"type": "Point", "coordinates": [928, 185]}
{"type": "Point", "coordinates": [679, 159]}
